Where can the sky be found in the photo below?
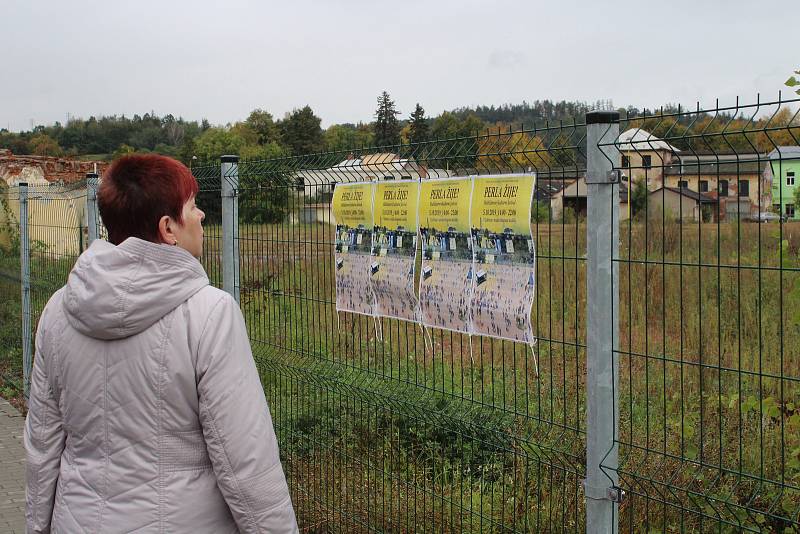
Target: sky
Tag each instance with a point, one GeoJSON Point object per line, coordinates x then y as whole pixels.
{"type": "Point", "coordinates": [220, 60]}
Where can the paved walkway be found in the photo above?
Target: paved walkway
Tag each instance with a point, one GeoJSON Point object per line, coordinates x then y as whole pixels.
{"type": "Point", "coordinates": [12, 470]}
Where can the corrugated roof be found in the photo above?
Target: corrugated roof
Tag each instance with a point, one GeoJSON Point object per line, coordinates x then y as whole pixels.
{"type": "Point", "coordinates": [785, 152]}
{"type": "Point", "coordinates": [638, 139]}
{"type": "Point", "coordinates": [694, 195]}
{"type": "Point", "coordinates": [711, 169]}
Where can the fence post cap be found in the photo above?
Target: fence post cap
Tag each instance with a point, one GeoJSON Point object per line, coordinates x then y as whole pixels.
{"type": "Point", "coordinates": [602, 117]}
{"type": "Point", "coordinates": [229, 158]}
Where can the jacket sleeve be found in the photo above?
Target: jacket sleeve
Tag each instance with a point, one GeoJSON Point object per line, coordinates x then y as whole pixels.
{"type": "Point", "coordinates": [44, 442]}
{"type": "Point", "coordinates": [237, 426]}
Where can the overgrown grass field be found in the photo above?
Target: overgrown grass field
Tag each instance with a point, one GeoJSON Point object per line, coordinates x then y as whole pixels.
{"type": "Point", "coordinates": [463, 435]}
{"type": "Point", "coordinates": [420, 431]}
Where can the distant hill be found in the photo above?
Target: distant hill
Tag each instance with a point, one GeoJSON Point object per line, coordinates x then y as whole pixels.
{"type": "Point", "coordinates": [538, 112]}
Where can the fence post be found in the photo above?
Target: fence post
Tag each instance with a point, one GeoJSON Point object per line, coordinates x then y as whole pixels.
{"type": "Point", "coordinates": [92, 222]}
{"type": "Point", "coordinates": [230, 224]}
{"type": "Point", "coordinates": [25, 276]}
{"type": "Point", "coordinates": [601, 487]}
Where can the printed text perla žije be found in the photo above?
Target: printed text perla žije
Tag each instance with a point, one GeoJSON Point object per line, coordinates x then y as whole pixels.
{"type": "Point", "coordinates": [401, 194]}
{"type": "Point", "coordinates": [352, 195]}
{"type": "Point", "coordinates": [442, 194]}
{"type": "Point", "coordinates": [499, 191]}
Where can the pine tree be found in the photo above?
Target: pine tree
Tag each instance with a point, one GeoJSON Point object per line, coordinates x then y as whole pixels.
{"type": "Point", "coordinates": [387, 127]}
{"type": "Point", "coordinates": [419, 126]}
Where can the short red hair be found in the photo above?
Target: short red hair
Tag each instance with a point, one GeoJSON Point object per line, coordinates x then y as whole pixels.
{"type": "Point", "coordinates": [137, 190]}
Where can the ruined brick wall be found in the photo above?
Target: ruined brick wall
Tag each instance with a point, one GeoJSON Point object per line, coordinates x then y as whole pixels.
{"type": "Point", "coordinates": [41, 170]}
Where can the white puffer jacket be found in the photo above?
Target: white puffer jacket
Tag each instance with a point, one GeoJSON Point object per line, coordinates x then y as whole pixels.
{"type": "Point", "coordinates": [146, 410]}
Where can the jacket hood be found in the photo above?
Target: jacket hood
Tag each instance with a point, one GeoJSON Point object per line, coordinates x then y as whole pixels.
{"type": "Point", "coordinates": [119, 291]}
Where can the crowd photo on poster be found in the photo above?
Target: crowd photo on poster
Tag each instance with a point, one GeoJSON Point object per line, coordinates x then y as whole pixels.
{"type": "Point", "coordinates": [477, 254]}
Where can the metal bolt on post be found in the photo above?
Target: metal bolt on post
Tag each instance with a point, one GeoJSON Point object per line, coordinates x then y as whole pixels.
{"type": "Point", "coordinates": [92, 219]}
{"type": "Point", "coordinates": [25, 275]}
{"type": "Point", "coordinates": [230, 224]}
{"type": "Point", "coordinates": [601, 486]}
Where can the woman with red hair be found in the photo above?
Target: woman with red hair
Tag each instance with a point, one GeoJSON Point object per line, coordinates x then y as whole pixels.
{"type": "Point", "coordinates": [146, 411]}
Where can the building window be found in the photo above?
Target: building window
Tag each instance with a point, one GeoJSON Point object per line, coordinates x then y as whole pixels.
{"type": "Point", "coordinates": [683, 184]}
{"type": "Point", "coordinates": [626, 162]}
{"type": "Point", "coordinates": [647, 161]}
{"type": "Point", "coordinates": [722, 188]}
{"type": "Point", "coordinates": [790, 178]}
{"type": "Point", "coordinates": [790, 211]}
{"type": "Point", "coordinates": [744, 188]}
{"type": "Point", "coordinates": [704, 186]}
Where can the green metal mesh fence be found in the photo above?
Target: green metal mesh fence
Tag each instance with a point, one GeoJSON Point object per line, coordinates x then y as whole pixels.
{"type": "Point", "coordinates": [709, 336]}
{"type": "Point", "coordinates": [384, 434]}
{"type": "Point", "coordinates": [456, 434]}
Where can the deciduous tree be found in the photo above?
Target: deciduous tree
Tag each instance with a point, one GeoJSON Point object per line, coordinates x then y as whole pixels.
{"type": "Point", "coordinates": [215, 142]}
{"type": "Point", "coordinates": [339, 137]}
{"type": "Point", "coordinates": [779, 129]}
{"type": "Point", "coordinates": [502, 149]}
{"type": "Point", "coordinates": [449, 125]}
{"type": "Point", "coordinates": [301, 131]}
{"type": "Point", "coordinates": [43, 145]}
{"type": "Point", "coordinates": [262, 123]}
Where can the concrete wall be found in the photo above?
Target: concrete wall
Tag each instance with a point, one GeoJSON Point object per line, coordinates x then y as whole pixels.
{"type": "Point", "coordinates": [673, 205]}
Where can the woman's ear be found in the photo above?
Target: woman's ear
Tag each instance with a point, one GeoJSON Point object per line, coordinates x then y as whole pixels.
{"type": "Point", "coordinates": [165, 230]}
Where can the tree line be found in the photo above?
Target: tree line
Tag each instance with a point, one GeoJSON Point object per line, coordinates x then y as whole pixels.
{"type": "Point", "coordinates": [261, 136]}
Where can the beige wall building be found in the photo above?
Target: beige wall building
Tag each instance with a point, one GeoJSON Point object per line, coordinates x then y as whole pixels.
{"type": "Point", "coordinates": [574, 196]}
{"type": "Point", "coordinates": [56, 215]}
{"type": "Point", "coordinates": [681, 204]}
{"type": "Point", "coordinates": [645, 156]}
{"type": "Point", "coordinates": [57, 201]}
{"type": "Point", "coordinates": [741, 182]}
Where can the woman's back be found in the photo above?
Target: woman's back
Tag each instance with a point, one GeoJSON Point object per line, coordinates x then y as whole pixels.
{"type": "Point", "coordinates": [146, 410]}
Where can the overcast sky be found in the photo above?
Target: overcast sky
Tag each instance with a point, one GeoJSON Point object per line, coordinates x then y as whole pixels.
{"type": "Point", "coordinates": [220, 60]}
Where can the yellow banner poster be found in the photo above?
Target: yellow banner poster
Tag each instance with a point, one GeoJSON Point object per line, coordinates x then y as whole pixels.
{"type": "Point", "coordinates": [504, 256]}
{"type": "Point", "coordinates": [352, 210]}
{"type": "Point", "coordinates": [394, 246]}
{"type": "Point", "coordinates": [445, 289]}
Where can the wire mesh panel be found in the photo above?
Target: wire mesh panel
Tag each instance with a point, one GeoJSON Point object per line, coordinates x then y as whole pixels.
{"type": "Point", "coordinates": [391, 433]}
{"type": "Point", "coordinates": [208, 199]}
{"type": "Point", "coordinates": [10, 296]}
{"type": "Point", "coordinates": [709, 357]}
{"type": "Point", "coordinates": [57, 236]}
